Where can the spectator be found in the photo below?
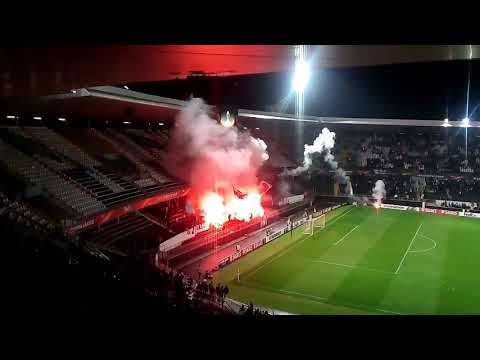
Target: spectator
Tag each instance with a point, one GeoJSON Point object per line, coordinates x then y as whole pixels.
{"type": "Point", "coordinates": [226, 290]}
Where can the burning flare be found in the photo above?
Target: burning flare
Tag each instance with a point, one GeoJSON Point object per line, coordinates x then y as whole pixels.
{"type": "Point", "coordinates": [216, 209]}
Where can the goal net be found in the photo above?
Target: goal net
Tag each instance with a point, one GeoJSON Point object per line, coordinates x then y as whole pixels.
{"type": "Point", "coordinates": [314, 223]}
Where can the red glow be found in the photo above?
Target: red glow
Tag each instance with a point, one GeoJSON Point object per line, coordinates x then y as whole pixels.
{"type": "Point", "coordinates": [217, 209]}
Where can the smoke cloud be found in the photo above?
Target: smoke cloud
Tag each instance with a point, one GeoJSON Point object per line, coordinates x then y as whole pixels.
{"type": "Point", "coordinates": [283, 188]}
{"type": "Point", "coordinates": [211, 156]}
{"type": "Point", "coordinates": [323, 144]}
{"type": "Point", "coordinates": [379, 192]}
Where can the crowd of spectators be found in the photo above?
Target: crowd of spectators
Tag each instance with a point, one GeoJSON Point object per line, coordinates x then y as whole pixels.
{"type": "Point", "coordinates": [453, 189]}
{"type": "Point", "coordinates": [410, 151]}
{"type": "Point", "coordinates": [193, 292]}
{"type": "Point", "coordinates": [406, 187]}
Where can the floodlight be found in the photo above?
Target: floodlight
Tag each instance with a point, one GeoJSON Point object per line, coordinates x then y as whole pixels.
{"type": "Point", "coordinates": [301, 76]}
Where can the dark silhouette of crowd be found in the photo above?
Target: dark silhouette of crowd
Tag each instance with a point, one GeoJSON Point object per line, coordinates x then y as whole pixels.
{"type": "Point", "coordinates": [250, 310]}
{"type": "Point", "coordinates": [22, 214]}
{"type": "Point", "coordinates": [191, 292]}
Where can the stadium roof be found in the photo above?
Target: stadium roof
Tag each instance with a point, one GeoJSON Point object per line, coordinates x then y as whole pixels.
{"type": "Point", "coordinates": [250, 114]}
{"type": "Point", "coordinates": [50, 70]}
{"type": "Point", "coordinates": [118, 104]}
{"type": "Point", "coordinates": [99, 103]}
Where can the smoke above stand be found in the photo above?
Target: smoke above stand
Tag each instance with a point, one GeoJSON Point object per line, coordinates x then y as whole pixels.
{"type": "Point", "coordinates": [216, 160]}
{"type": "Point", "coordinates": [322, 145]}
{"type": "Point", "coordinates": [379, 193]}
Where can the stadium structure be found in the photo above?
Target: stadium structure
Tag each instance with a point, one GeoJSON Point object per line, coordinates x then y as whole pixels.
{"type": "Point", "coordinates": [179, 204]}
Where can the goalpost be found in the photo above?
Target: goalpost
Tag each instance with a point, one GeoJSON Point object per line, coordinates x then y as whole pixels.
{"type": "Point", "coordinates": [314, 223]}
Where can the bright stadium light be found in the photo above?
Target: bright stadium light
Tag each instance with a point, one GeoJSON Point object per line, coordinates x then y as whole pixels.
{"type": "Point", "coordinates": [127, 122]}
{"type": "Point", "coordinates": [466, 122]}
{"type": "Point", "coordinates": [126, 87]}
{"type": "Point", "coordinates": [445, 123]}
{"type": "Point", "coordinates": [37, 118]}
{"type": "Point", "coordinates": [301, 75]}
{"type": "Point", "coordinates": [161, 124]}
{"type": "Point", "coordinates": [11, 116]}
{"type": "Point", "coordinates": [61, 119]}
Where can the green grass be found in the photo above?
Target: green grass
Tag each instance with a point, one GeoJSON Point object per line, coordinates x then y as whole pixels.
{"type": "Point", "coordinates": [369, 271]}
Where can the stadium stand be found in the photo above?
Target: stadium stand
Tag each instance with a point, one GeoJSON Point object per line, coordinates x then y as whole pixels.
{"type": "Point", "coordinates": [51, 139]}
{"type": "Point", "coordinates": [408, 151]}
{"type": "Point", "coordinates": [56, 185]}
{"type": "Point", "coordinates": [129, 151]}
{"type": "Point", "coordinates": [73, 178]}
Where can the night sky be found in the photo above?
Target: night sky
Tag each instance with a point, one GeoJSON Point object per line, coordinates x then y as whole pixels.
{"type": "Point", "coordinates": [420, 91]}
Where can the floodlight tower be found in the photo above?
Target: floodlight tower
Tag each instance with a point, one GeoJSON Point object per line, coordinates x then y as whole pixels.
{"type": "Point", "coordinates": [301, 76]}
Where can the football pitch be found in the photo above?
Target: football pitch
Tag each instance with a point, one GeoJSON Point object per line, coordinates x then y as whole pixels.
{"type": "Point", "coordinates": [396, 262]}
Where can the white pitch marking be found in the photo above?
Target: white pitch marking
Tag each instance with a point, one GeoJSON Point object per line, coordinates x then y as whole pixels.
{"type": "Point", "coordinates": [351, 266]}
{"type": "Point", "coordinates": [330, 223]}
{"type": "Point", "coordinates": [339, 241]}
{"type": "Point", "coordinates": [301, 294]}
{"type": "Point", "coordinates": [345, 213]}
{"type": "Point", "coordinates": [277, 256]}
{"type": "Point", "coordinates": [325, 300]}
{"type": "Point", "coordinates": [425, 250]}
{"type": "Point", "coordinates": [388, 311]}
{"type": "Point", "coordinates": [291, 247]}
{"type": "Point", "coordinates": [409, 246]}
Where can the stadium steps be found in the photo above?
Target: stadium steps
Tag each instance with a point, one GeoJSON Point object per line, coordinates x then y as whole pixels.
{"type": "Point", "coordinates": [101, 192]}
{"type": "Point", "coordinates": [56, 185]}
{"type": "Point", "coordinates": [64, 147]}
{"type": "Point", "coordinates": [127, 142]}
{"type": "Point", "coordinates": [125, 231]}
{"type": "Point", "coordinates": [121, 142]}
{"type": "Point", "coordinates": [114, 177]}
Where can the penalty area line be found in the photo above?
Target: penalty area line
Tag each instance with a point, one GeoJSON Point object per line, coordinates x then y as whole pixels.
{"type": "Point", "coordinates": [344, 237]}
{"type": "Point", "coordinates": [352, 266]}
{"type": "Point", "coordinates": [318, 299]}
{"type": "Point", "coordinates": [288, 249]}
{"type": "Point", "coordinates": [330, 223]}
{"type": "Point", "coordinates": [338, 218]}
{"type": "Point", "coordinates": [408, 249]}
{"type": "Point", "coordinates": [388, 311]}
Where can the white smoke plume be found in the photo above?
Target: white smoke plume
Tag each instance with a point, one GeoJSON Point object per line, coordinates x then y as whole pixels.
{"type": "Point", "coordinates": [323, 144]}
{"type": "Point", "coordinates": [379, 192]}
{"type": "Point", "coordinates": [344, 179]}
{"type": "Point", "coordinates": [211, 156]}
